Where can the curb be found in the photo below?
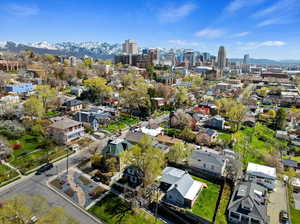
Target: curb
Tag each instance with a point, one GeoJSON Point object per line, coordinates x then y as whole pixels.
{"type": "Point", "coordinates": [73, 203]}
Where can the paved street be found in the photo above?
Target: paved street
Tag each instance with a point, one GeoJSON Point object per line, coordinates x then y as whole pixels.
{"type": "Point", "coordinates": [277, 202]}
{"type": "Point", "coordinates": [37, 185]}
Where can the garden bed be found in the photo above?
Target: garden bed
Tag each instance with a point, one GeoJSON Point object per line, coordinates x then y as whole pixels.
{"type": "Point", "coordinates": [6, 173]}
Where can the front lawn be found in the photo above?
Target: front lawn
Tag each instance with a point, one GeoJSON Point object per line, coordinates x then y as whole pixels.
{"type": "Point", "coordinates": [206, 203]}
{"type": "Point", "coordinates": [221, 217]}
{"type": "Point", "coordinates": [113, 210]}
{"type": "Point", "coordinates": [6, 173]}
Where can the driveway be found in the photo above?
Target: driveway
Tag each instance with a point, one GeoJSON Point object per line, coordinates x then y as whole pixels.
{"type": "Point", "coordinates": [277, 202]}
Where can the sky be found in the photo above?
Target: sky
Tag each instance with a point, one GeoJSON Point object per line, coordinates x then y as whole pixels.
{"type": "Point", "coordinates": [261, 28]}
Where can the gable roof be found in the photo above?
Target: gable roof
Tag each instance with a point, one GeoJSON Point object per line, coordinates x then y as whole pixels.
{"type": "Point", "coordinates": [209, 157]}
{"type": "Point", "coordinates": [248, 198]}
{"type": "Point", "coordinates": [182, 182]}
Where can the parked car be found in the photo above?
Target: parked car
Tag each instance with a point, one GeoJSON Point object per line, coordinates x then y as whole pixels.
{"type": "Point", "coordinates": [44, 168]}
{"type": "Point", "coordinates": [96, 178]}
{"type": "Point", "coordinates": [284, 217]}
{"type": "Point", "coordinates": [75, 147]}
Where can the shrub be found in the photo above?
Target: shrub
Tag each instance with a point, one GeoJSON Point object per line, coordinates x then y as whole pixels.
{"type": "Point", "coordinates": [16, 146]}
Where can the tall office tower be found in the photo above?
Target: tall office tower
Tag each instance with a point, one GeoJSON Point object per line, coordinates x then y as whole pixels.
{"type": "Point", "coordinates": [246, 59]}
{"type": "Point", "coordinates": [189, 58]}
{"type": "Point", "coordinates": [245, 65]}
{"type": "Point", "coordinates": [221, 60]}
{"type": "Point", "coordinates": [206, 57]}
{"type": "Point", "coordinates": [130, 47]}
{"type": "Point", "coordinates": [154, 55]}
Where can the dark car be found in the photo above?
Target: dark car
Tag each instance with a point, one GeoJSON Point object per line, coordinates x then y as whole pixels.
{"type": "Point", "coordinates": [96, 178]}
{"type": "Point", "coordinates": [44, 168]}
{"type": "Point", "coordinates": [284, 217]}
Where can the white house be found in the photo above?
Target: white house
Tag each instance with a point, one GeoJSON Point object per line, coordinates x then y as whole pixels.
{"type": "Point", "coordinates": [182, 189]}
{"type": "Point", "coordinates": [261, 174]}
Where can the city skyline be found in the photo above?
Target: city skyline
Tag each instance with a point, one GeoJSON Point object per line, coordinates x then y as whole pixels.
{"type": "Point", "coordinates": [176, 24]}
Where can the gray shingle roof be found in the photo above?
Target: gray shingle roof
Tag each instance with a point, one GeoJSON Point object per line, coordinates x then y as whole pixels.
{"type": "Point", "coordinates": [248, 198]}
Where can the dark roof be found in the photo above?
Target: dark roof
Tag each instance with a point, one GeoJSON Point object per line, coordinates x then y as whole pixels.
{"type": "Point", "coordinates": [248, 198]}
{"type": "Point", "coordinates": [72, 103]}
{"type": "Point", "coordinates": [209, 157]}
{"type": "Point", "coordinates": [290, 163]}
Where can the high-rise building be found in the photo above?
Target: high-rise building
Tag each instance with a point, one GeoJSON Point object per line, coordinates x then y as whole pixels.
{"type": "Point", "coordinates": [206, 56]}
{"type": "Point", "coordinates": [130, 47]}
{"type": "Point", "coordinates": [245, 65]}
{"type": "Point", "coordinates": [246, 59]}
{"type": "Point", "coordinates": [189, 58]}
{"type": "Point", "coordinates": [221, 60]}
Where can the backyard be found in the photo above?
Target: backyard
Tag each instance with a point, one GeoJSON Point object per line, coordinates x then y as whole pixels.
{"type": "Point", "coordinates": [254, 143]}
{"type": "Point", "coordinates": [122, 123]}
{"type": "Point", "coordinates": [112, 210]}
{"type": "Point", "coordinates": [221, 217]}
{"type": "Point", "coordinates": [206, 202]}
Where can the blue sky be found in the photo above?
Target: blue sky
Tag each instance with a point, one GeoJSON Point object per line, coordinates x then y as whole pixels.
{"type": "Point", "coordinates": [262, 28]}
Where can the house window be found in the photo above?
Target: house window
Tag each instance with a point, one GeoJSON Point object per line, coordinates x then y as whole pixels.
{"type": "Point", "coordinates": [235, 215]}
{"type": "Point", "coordinates": [204, 165]}
{"type": "Point", "coordinates": [255, 221]}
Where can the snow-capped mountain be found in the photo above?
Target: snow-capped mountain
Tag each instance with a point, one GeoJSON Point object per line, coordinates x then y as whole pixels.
{"type": "Point", "coordinates": [93, 49]}
{"type": "Point", "coordinates": [43, 44]}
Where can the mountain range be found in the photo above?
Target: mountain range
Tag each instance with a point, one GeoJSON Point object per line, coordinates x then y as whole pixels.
{"type": "Point", "coordinates": [102, 50]}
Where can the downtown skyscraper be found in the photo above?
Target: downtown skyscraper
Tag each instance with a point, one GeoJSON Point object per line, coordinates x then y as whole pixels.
{"type": "Point", "coordinates": [221, 63]}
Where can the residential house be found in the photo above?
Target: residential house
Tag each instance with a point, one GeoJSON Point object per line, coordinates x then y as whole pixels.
{"type": "Point", "coordinates": [209, 162]}
{"type": "Point", "coordinates": [65, 130]}
{"type": "Point", "coordinates": [19, 88]}
{"type": "Point", "coordinates": [116, 147]}
{"type": "Point", "coordinates": [181, 189]}
{"type": "Point", "coordinates": [216, 122]}
{"type": "Point", "coordinates": [290, 164]}
{"type": "Point", "coordinates": [159, 102]}
{"type": "Point", "coordinates": [166, 140]}
{"type": "Point", "coordinates": [248, 204]}
{"type": "Point", "coordinates": [263, 175]}
{"type": "Point", "coordinates": [133, 176]}
{"type": "Point", "coordinates": [206, 136]}
{"type": "Point", "coordinates": [72, 105]}
{"type": "Point", "coordinates": [93, 119]}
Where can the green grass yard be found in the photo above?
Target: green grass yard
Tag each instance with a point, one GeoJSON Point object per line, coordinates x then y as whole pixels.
{"type": "Point", "coordinates": [206, 202]}
{"type": "Point", "coordinates": [113, 210]}
{"type": "Point", "coordinates": [121, 124]}
{"type": "Point", "coordinates": [221, 217]}
{"type": "Point", "coordinates": [294, 213]}
{"type": "Point", "coordinates": [259, 141]}
{"type": "Point", "coordinates": [6, 173]}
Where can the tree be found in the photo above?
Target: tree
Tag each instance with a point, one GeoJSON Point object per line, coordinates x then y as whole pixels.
{"type": "Point", "coordinates": [46, 94]}
{"type": "Point", "coordinates": [188, 135]}
{"type": "Point", "coordinates": [136, 97]}
{"type": "Point", "coordinates": [262, 91]}
{"type": "Point", "coordinates": [33, 107]}
{"type": "Point", "coordinates": [88, 62]}
{"type": "Point", "coordinates": [236, 114]}
{"type": "Point", "coordinates": [223, 105]}
{"type": "Point", "coordinates": [98, 87]}
{"type": "Point", "coordinates": [20, 210]}
{"type": "Point", "coordinates": [148, 159]}
{"type": "Point", "coordinates": [280, 119]}
{"type": "Point", "coordinates": [181, 96]}
{"type": "Point", "coordinates": [179, 152]}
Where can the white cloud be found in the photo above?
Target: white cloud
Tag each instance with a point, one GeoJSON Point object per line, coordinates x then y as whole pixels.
{"type": "Point", "coordinates": [175, 13]}
{"type": "Point", "coordinates": [236, 5]}
{"type": "Point", "coordinates": [183, 43]}
{"type": "Point", "coordinates": [273, 43]}
{"type": "Point", "coordinates": [281, 12]}
{"type": "Point", "coordinates": [254, 45]}
{"type": "Point", "coordinates": [241, 34]}
{"type": "Point", "coordinates": [21, 9]}
{"type": "Point", "coordinates": [210, 33]}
